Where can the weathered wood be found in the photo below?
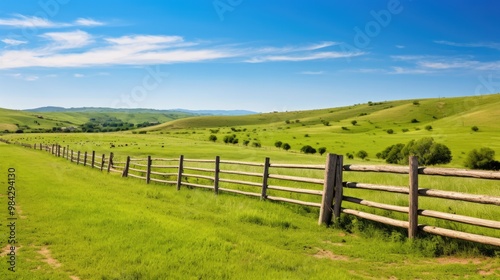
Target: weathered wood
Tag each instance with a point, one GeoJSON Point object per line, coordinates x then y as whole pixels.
{"type": "Point", "coordinates": [392, 189]}
{"type": "Point", "coordinates": [217, 175]}
{"type": "Point", "coordinates": [295, 190]}
{"type": "Point", "coordinates": [64, 152]}
{"type": "Point", "coordinates": [164, 166]}
{"type": "Point", "coordinates": [377, 218]}
{"type": "Point", "coordinates": [490, 175]}
{"type": "Point", "coordinates": [265, 178]}
{"type": "Point", "coordinates": [239, 182]}
{"type": "Point", "coordinates": [110, 161]}
{"type": "Point", "coordinates": [240, 192]}
{"type": "Point", "coordinates": [136, 176]}
{"type": "Point", "coordinates": [462, 235]}
{"type": "Point", "coordinates": [242, 163]}
{"type": "Point", "coordinates": [67, 151]}
{"type": "Point", "coordinates": [482, 199]}
{"type": "Point", "coordinates": [460, 219]}
{"type": "Point", "coordinates": [85, 159]}
{"type": "Point", "coordinates": [93, 159]}
{"type": "Point", "coordinates": [339, 190]}
{"type": "Point", "coordinates": [413, 198]}
{"type": "Point", "coordinates": [148, 170]}
{"type": "Point", "coordinates": [78, 158]}
{"type": "Point", "coordinates": [137, 170]}
{"type": "Point", "coordinates": [71, 155]}
{"type": "Point", "coordinates": [103, 160]}
{"type": "Point", "coordinates": [165, 159]}
{"type": "Point", "coordinates": [375, 204]}
{"type": "Point", "coordinates": [294, 201]}
{"type": "Point", "coordinates": [297, 179]}
{"type": "Point", "coordinates": [326, 210]}
{"type": "Point", "coordinates": [58, 150]}
{"type": "Point", "coordinates": [298, 166]}
{"type": "Point", "coordinates": [179, 175]}
{"type": "Point", "coordinates": [138, 164]}
{"type": "Point", "coordinates": [125, 169]}
{"type": "Point", "coordinates": [377, 168]}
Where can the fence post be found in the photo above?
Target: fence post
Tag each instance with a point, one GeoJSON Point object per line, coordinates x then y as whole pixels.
{"type": "Point", "coordinates": [58, 150]}
{"type": "Point", "coordinates": [148, 170]}
{"type": "Point", "coordinates": [67, 151]}
{"type": "Point", "coordinates": [325, 212]}
{"type": "Point", "coordinates": [216, 175]}
{"type": "Point", "coordinates": [339, 189]}
{"type": "Point", "coordinates": [78, 158]}
{"type": "Point", "coordinates": [265, 178]}
{"type": "Point", "coordinates": [179, 175]}
{"type": "Point", "coordinates": [41, 146]}
{"type": "Point", "coordinates": [71, 155]}
{"type": "Point", "coordinates": [93, 160]}
{"type": "Point", "coordinates": [110, 161]}
{"type": "Point", "coordinates": [103, 161]}
{"type": "Point", "coordinates": [125, 170]}
{"type": "Point", "coordinates": [413, 206]}
{"type": "Point", "coordinates": [85, 159]}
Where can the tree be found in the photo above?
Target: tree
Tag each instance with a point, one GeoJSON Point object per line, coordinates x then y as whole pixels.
{"type": "Point", "coordinates": [308, 149]}
{"type": "Point", "coordinates": [354, 122]}
{"type": "Point", "coordinates": [246, 142]}
{"type": "Point", "coordinates": [482, 159]}
{"type": "Point", "coordinates": [212, 138]}
{"type": "Point", "coordinates": [428, 127]}
{"type": "Point", "coordinates": [475, 128]}
{"type": "Point", "coordinates": [362, 154]}
{"type": "Point", "coordinates": [321, 150]}
{"type": "Point", "coordinates": [286, 147]}
{"type": "Point", "coordinates": [428, 152]}
{"type": "Point", "coordinates": [278, 144]}
{"type": "Point", "coordinates": [390, 131]}
{"type": "Point", "coordinates": [230, 139]}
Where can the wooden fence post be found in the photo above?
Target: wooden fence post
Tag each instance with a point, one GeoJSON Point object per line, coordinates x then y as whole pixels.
{"type": "Point", "coordinates": [216, 175]}
{"type": "Point", "coordinates": [148, 170]}
{"type": "Point", "coordinates": [265, 179]}
{"type": "Point", "coordinates": [413, 198]}
{"type": "Point", "coordinates": [67, 151]}
{"type": "Point", "coordinates": [85, 159]}
{"type": "Point", "coordinates": [71, 155]}
{"type": "Point", "coordinates": [179, 174]}
{"type": "Point", "coordinates": [125, 170]}
{"type": "Point", "coordinates": [339, 189]}
{"type": "Point", "coordinates": [58, 150]}
{"type": "Point", "coordinates": [110, 161]}
{"type": "Point", "coordinates": [78, 158]}
{"type": "Point", "coordinates": [64, 152]}
{"type": "Point", "coordinates": [41, 146]}
{"type": "Point", "coordinates": [325, 212]}
{"type": "Point", "coordinates": [93, 160]}
{"type": "Point", "coordinates": [103, 160]}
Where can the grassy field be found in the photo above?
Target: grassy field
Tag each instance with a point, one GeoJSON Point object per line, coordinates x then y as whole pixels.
{"type": "Point", "coordinates": [77, 223]}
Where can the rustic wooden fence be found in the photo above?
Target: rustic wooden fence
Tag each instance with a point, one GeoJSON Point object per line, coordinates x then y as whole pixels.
{"type": "Point", "coordinates": [325, 192]}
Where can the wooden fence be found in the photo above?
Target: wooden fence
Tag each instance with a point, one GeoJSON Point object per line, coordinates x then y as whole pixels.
{"type": "Point", "coordinates": [325, 192]}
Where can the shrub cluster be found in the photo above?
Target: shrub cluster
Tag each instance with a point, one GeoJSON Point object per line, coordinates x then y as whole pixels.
{"type": "Point", "coordinates": [428, 152]}
{"type": "Point", "coordinates": [482, 159]}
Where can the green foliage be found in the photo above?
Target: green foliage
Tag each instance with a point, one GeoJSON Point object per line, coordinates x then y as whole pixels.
{"type": "Point", "coordinates": [322, 150]}
{"type": "Point", "coordinates": [350, 156]}
{"type": "Point", "coordinates": [482, 159]}
{"type": "Point", "coordinates": [230, 139]}
{"type": "Point", "coordinates": [256, 144]}
{"type": "Point", "coordinates": [307, 149]}
{"type": "Point", "coordinates": [278, 144]}
{"type": "Point", "coordinates": [246, 142]}
{"type": "Point", "coordinates": [416, 102]}
{"type": "Point", "coordinates": [143, 132]}
{"type": "Point", "coordinates": [286, 146]}
{"type": "Point", "coordinates": [428, 152]}
{"type": "Point", "coordinates": [390, 131]}
{"type": "Point", "coordinates": [405, 130]}
{"type": "Point", "coordinates": [414, 121]}
{"type": "Point", "coordinates": [212, 138]}
{"type": "Point", "coordinates": [475, 128]}
{"type": "Point", "coordinates": [362, 154]}
{"type": "Point", "coordinates": [354, 122]}
{"type": "Point", "coordinates": [428, 127]}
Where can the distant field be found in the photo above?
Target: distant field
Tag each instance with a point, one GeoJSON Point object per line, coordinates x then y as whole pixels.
{"type": "Point", "coordinates": [84, 224]}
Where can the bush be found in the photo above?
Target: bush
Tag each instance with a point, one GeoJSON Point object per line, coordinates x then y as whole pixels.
{"type": "Point", "coordinates": [278, 144]}
{"type": "Point", "coordinates": [256, 144]}
{"type": "Point", "coordinates": [482, 159]}
{"type": "Point", "coordinates": [349, 156]}
{"type": "Point", "coordinates": [354, 122]}
{"type": "Point", "coordinates": [246, 142]}
{"type": "Point", "coordinates": [390, 131]}
{"type": "Point", "coordinates": [143, 132]}
{"type": "Point", "coordinates": [286, 147]}
{"type": "Point", "coordinates": [212, 138]}
{"type": "Point", "coordinates": [308, 150]}
{"type": "Point", "coordinates": [414, 121]}
{"type": "Point", "coordinates": [405, 130]}
{"type": "Point", "coordinates": [416, 102]}
{"type": "Point", "coordinates": [230, 139]}
{"type": "Point", "coordinates": [362, 154]}
{"type": "Point", "coordinates": [428, 152]}
{"type": "Point", "coordinates": [475, 128]}
{"type": "Point", "coordinates": [321, 150]}
{"type": "Point", "coordinates": [428, 127]}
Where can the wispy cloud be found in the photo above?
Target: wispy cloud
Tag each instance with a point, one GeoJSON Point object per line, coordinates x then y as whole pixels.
{"type": "Point", "coordinates": [402, 70]}
{"type": "Point", "coordinates": [426, 64]}
{"type": "Point", "coordinates": [29, 78]}
{"type": "Point", "coordinates": [303, 57]}
{"type": "Point", "coordinates": [77, 75]}
{"type": "Point", "coordinates": [13, 42]}
{"type": "Point", "coordinates": [21, 21]}
{"type": "Point", "coordinates": [400, 46]}
{"type": "Point", "coordinates": [490, 45]}
{"type": "Point", "coordinates": [312, 72]}
{"type": "Point", "coordinates": [68, 40]}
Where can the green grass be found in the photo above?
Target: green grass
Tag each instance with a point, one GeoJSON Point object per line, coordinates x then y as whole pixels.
{"type": "Point", "coordinates": [101, 226]}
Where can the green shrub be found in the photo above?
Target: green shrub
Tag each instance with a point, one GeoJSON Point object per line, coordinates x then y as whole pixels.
{"type": "Point", "coordinates": [475, 128]}
{"type": "Point", "coordinates": [278, 144]}
{"type": "Point", "coordinates": [308, 149]}
{"type": "Point", "coordinates": [256, 144]}
{"type": "Point", "coordinates": [354, 122]}
{"type": "Point", "coordinates": [482, 159]}
{"type": "Point", "coordinates": [428, 127]}
{"type": "Point", "coordinates": [414, 121]}
{"type": "Point", "coordinates": [286, 147]}
{"type": "Point", "coordinates": [390, 131]}
{"type": "Point", "coordinates": [362, 154]}
{"type": "Point", "coordinates": [212, 138]}
{"type": "Point", "coordinates": [428, 152]}
{"type": "Point", "coordinates": [321, 150]}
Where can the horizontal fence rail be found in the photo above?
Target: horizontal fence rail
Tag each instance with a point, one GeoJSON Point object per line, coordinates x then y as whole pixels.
{"type": "Point", "coordinates": [265, 180]}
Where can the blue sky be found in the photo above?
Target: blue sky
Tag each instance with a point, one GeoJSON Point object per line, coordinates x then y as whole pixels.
{"type": "Point", "coordinates": [276, 55]}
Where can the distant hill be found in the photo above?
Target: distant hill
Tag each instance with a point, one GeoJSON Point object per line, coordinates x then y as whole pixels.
{"type": "Point", "coordinates": [52, 109]}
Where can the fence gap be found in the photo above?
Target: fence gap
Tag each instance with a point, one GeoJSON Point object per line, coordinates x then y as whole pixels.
{"type": "Point", "coordinates": [413, 198]}
{"type": "Point", "coordinates": [179, 174]}
{"type": "Point", "coordinates": [325, 212]}
{"type": "Point", "coordinates": [216, 175]}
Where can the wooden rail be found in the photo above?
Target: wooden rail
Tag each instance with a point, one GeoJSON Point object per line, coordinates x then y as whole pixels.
{"type": "Point", "coordinates": [331, 206]}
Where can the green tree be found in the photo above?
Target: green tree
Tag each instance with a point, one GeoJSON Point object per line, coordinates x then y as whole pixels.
{"type": "Point", "coordinates": [308, 149]}
{"type": "Point", "coordinates": [286, 146]}
{"type": "Point", "coordinates": [482, 159]}
{"type": "Point", "coordinates": [362, 154]}
{"type": "Point", "coordinates": [354, 122]}
{"type": "Point", "coordinates": [278, 144]}
{"type": "Point", "coordinates": [321, 150]}
{"type": "Point", "coordinates": [428, 152]}
{"type": "Point", "coordinates": [212, 138]}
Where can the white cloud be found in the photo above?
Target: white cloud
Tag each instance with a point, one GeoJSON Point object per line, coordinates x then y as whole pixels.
{"type": "Point", "coordinates": [13, 42]}
{"type": "Point", "coordinates": [88, 22]}
{"type": "Point", "coordinates": [402, 70]}
{"type": "Point", "coordinates": [470, 45]}
{"type": "Point", "coordinates": [312, 72]}
{"type": "Point", "coordinates": [21, 21]}
{"type": "Point", "coordinates": [29, 78]}
{"type": "Point", "coordinates": [304, 57]}
{"type": "Point", "coordinates": [78, 75]}
{"type": "Point", "coordinates": [68, 40]}
{"type": "Point", "coordinates": [400, 46]}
